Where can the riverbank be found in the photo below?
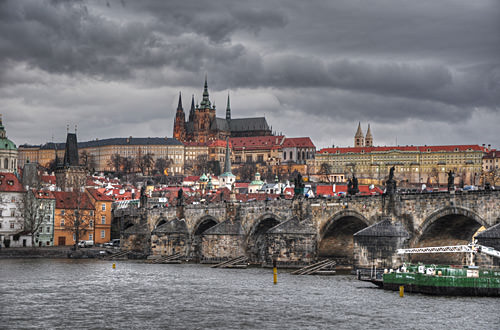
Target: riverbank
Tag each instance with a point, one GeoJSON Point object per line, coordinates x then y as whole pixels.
{"type": "Point", "coordinates": [50, 252]}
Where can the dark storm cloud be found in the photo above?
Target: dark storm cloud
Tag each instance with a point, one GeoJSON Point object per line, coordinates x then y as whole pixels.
{"type": "Point", "coordinates": [342, 60]}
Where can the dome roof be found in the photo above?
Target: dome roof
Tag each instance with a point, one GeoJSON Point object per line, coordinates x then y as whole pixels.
{"type": "Point", "coordinates": [6, 144]}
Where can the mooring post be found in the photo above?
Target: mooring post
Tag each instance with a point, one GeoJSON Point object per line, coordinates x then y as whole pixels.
{"type": "Point", "coordinates": [275, 272]}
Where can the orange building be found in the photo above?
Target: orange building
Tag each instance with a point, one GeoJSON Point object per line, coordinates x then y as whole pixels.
{"type": "Point", "coordinates": [74, 213]}
{"type": "Point", "coordinates": [102, 204]}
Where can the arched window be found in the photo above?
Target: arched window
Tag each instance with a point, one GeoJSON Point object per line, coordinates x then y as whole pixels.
{"type": "Point", "coordinates": [291, 155]}
{"type": "Point", "coordinates": [303, 155]}
{"type": "Point", "coordinates": [284, 155]}
{"type": "Point", "coordinates": [6, 163]}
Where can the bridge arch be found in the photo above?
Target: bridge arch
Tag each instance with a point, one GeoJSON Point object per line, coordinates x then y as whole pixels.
{"type": "Point", "coordinates": [256, 244]}
{"type": "Point", "coordinates": [160, 221]}
{"type": "Point", "coordinates": [450, 225]}
{"type": "Point", "coordinates": [201, 225]}
{"type": "Point", "coordinates": [336, 239]}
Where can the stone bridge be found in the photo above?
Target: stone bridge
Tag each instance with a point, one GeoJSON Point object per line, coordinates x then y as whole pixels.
{"type": "Point", "coordinates": [356, 230]}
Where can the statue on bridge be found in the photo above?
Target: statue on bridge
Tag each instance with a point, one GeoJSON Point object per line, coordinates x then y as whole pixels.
{"type": "Point", "coordinates": [352, 185]}
{"type": "Point", "coordinates": [390, 184]}
{"type": "Point", "coordinates": [143, 199]}
{"type": "Point", "coordinates": [299, 186]}
{"type": "Point", "coordinates": [180, 197]}
{"type": "Point", "coordinates": [451, 181]}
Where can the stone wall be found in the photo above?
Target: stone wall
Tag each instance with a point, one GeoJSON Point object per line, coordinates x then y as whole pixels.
{"type": "Point", "coordinates": [218, 248]}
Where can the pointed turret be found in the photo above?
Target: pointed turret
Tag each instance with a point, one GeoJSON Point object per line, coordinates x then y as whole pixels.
{"type": "Point", "coordinates": [369, 138]}
{"type": "Point", "coordinates": [227, 177]}
{"type": "Point", "coordinates": [227, 163]}
{"type": "Point", "coordinates": [191, 111]}
{"type": "Point", "coordinates": [205, 103]}
{"type": "Point", "coordinates": [71, 152]}
{"type": "Point", "coordinates": [180, 124]}
{"type": "Point", "coordinates": [228, 109]}
{"type": "Point", "coordinates": [359, 139]}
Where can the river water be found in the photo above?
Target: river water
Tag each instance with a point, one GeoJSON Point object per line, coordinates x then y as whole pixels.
{"type": "Point", "coordinates": [90, 294]}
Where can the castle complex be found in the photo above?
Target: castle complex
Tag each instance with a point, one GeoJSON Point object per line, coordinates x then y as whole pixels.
{"type": "Point", "coordinates": [203, 125]}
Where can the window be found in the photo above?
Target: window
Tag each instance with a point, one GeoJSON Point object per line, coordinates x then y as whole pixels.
{"type": "Point", "coordinates": [91, 237]}
{"type": "Point", "coordinates": [62, 212]}
{"type": "Point", "coordinates": [13, 213]}
{"type": "Point", "coordinates": [12, 225]}
{"type": "Point", "coordinates": [91, 223]}
{"type": "Point", "coordinates": [74, 237]}
{"type": "Point", "coordinates": [103, 220]}
{"type": "Point", "coordinates": [91, 213]}
{"type": "Point", "coordinates": [0, 225]}
{"type": "Point", "coordinates": [47, 229]}
{"type": "Point", "coordinates": [62, 222]}
{"type": "Point", "coordinates": [13, 200]}
{"type": "Point", "coordinates": [103, 207]}
{"type": "Point", "coordinates": [291, 155]}
{"type": "Point", "coordinates": [103, 234]}
{"type": "Point", "coordinates": [284, 155]}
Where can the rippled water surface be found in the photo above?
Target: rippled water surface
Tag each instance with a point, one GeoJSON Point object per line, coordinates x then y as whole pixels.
{"type": "Point", "coordinates": [89, 294]}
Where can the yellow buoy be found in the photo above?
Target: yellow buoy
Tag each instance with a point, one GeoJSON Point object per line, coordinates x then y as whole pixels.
{"type": "Point", "coordinates": [275, 272]}
{"type": "Point", "coordinates": [401, 291]}
{"type": "Point", "coordinates": [114, 265]}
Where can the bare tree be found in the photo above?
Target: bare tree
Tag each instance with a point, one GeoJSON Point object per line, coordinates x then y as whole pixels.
{"type": "Point", "coordinates": [161, 164]}
{"type": "Point", "coordinates": [115, 162]}
{"type": "Point", "coordinates": [35, 213]}
{"type": "Point", "coordinates": [325, 170]}
{"type": "Point", "coordinates": [247, 171]}
{"type": "Point", "coordinates": [493, 176]}
{"type": "Point", "coordinates": [87, 160]}
{"type": "Point", "coordinates": [434, 176]}
{"type": "Point", "coordinates": [148, 162]}
{"type": "Point", "coordinates": [128, 164]}
{"type": "Point", "coordinates": [79, 214]}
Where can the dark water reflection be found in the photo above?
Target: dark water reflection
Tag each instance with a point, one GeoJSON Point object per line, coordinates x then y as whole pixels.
{"type": "Point", "coordinates": [62, 294]}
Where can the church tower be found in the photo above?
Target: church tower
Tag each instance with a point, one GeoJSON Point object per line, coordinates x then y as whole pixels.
{"type": "Point", "coordinates": [369, 138]}
{"type": "Point", "coordinates": [70, 176]}
{"type": "Point", "coordinates": [180, 122]}
{"type": "Point", "coordinates": [204, 116]}
{"type": "Point", "coordinates": [359, 139]}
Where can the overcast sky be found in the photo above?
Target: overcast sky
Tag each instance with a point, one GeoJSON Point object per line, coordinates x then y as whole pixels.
{"type": "Point", "coordinates": [419, 72]}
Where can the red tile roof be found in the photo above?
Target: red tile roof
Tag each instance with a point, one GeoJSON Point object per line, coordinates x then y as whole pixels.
{"type": "Point", "coordinates": [356, 150]}
{"type": "Point", "coordinates": [492, 154]}
{"type": "Point", "coordinates": [303, 142]}
{"type": "Point", "coordinates": [219, 143]}
{"type": "Point", "coordinates": [98, 195]}
{"type": "Point", "coordinates": [51, 179]}
{"type": "Point", "coordinates": [70, 200]}
{"type": "Point", "coordinates": [257, 142]}
{"type": "Point", "coordinates": [10, 183]}
{"type": "Point", "coordinates": [44, 194]}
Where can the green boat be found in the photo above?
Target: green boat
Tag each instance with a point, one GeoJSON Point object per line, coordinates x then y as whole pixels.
{"type": "Point", "coordinates": [444, 280]}
{"type": "Point", "coordinates": [441, 279]}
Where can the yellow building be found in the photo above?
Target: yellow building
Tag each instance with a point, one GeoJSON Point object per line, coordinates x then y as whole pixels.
{"type": "Point", "coordinates": [102, 205]}
{"type": "Point", "coordinates": [413, 164]}
{"type": "Point", "coordinates": [66, 224]}
{"type": "Point", "coordinates": [100, 152]}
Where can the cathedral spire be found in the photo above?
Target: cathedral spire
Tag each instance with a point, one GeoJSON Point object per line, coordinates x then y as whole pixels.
{"type": "Point", "coordinates": [191, 112]}
{"type": "Point", "coordinates": [228, 109]}
{"type": "Point", "coordinates": [205, 103]}
{"type": "Point", "coordinates": [179, 106]}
